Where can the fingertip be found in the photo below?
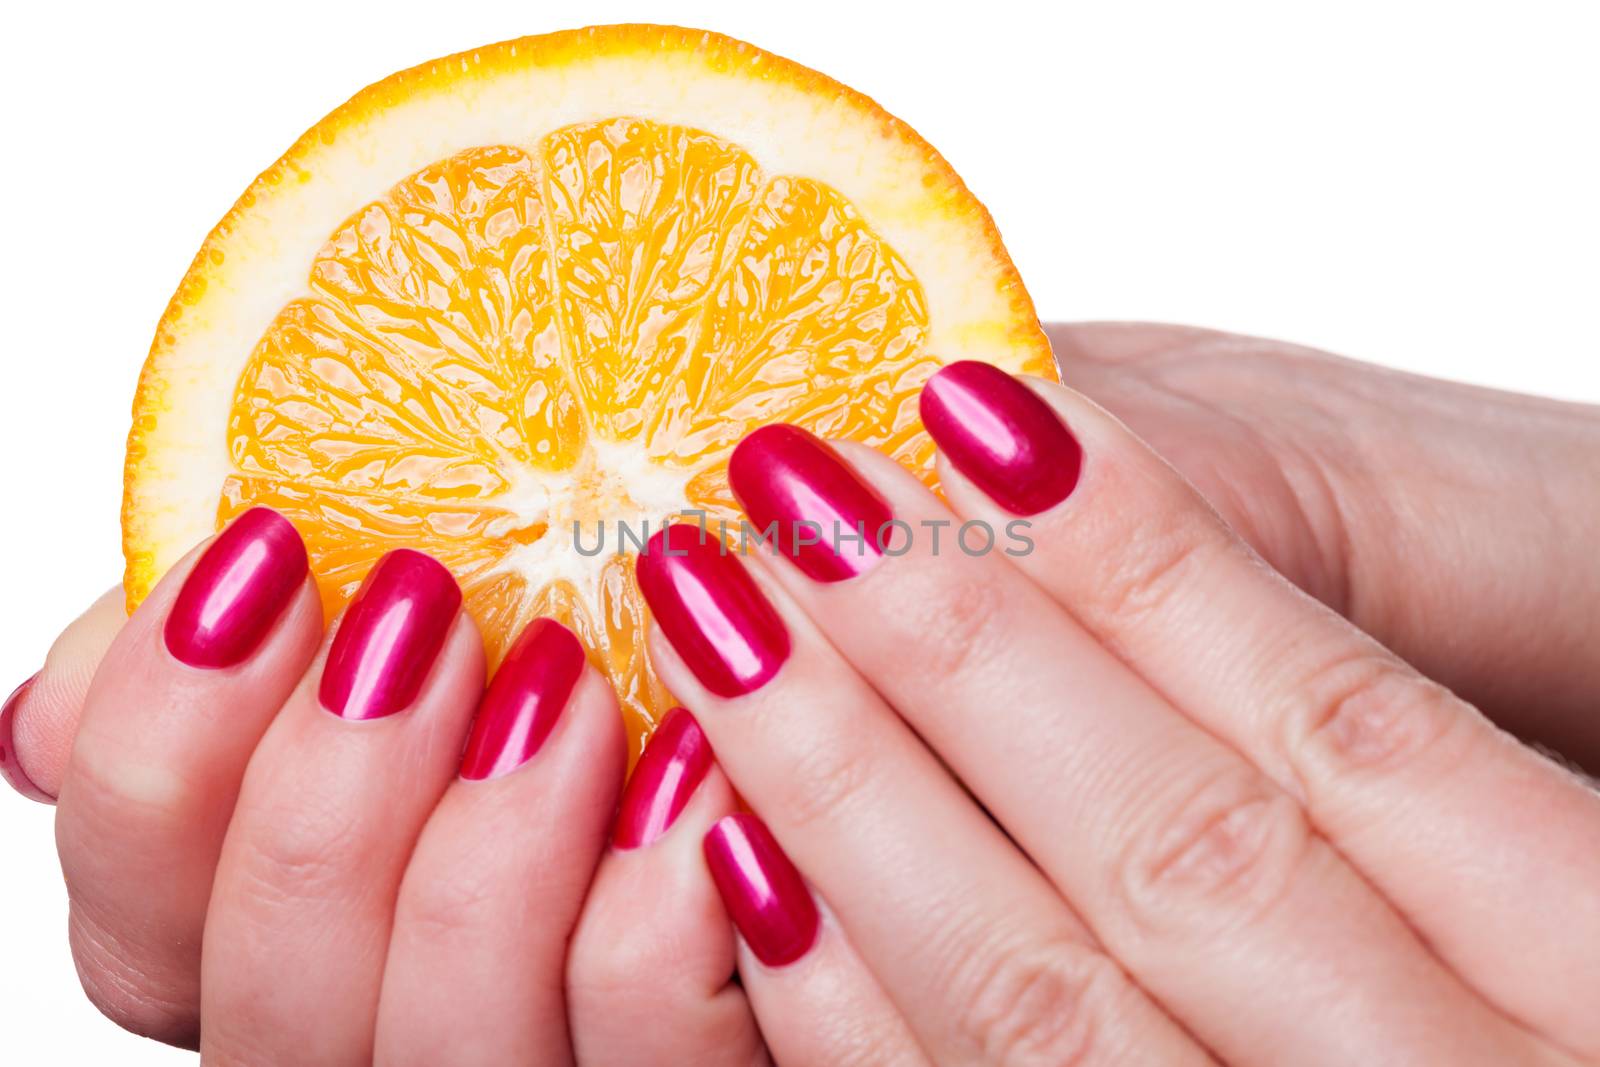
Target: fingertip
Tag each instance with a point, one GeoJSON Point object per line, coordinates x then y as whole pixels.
{"type": "Point", "coordinates": [687, 931]}
{"type": "Point", "coordinates": [1081, 416]}
{"type": "Point", "coordinates": [456, 682]}
{"type": "Point", "coordinates": [592, 730]}
{"type": "Point", "coordinates": [669, 666]}
{"type": "Point", "coordinates": [41, 717]}
{"type": "Point", "coordinates": [463, 653]}
{"type": "Point", "coordinates": [868, 460]}
{"type": "Point", "coordinates": [660, 978]}
{"type": "Point", "coordinates": [465, 645]}
{"type": "Point", "coordinates": [236, 591]}
{"type": "Point", "coordinates": [10, 766]}
{"type": "Point", "coordinates": [668, 776]}
{"type": "Point", "coordinates": [551, 723]}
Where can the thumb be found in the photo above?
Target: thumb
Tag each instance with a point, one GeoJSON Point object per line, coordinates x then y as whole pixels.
{"type": "Point", "coordinates": [39, 721]}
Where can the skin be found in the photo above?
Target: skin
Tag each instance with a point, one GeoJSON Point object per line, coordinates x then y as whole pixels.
{"type": "Point", "coordinates": [1251, 861]}
{"type": "Point", "coordinates": [1398, 501]}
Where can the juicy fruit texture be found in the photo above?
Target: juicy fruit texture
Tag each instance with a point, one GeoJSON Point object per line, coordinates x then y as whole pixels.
{"type": "Point", "coordinates": [524, 346]}
{"type": "Point", "coordinates": [481, 337]}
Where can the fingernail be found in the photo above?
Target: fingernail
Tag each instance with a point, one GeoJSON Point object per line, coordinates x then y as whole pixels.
{"type": "Point", "coordinates": [524, 700]}
{"type": "Point", "coordinates": [821, 516]}
{"type": "Point", "coordinates": [10, 769]}
{"type": "Point", "coordinates": [390, 636]}
{"type": "Point", "coordinates": [237, 590]}
{"type": "Point", "coordinates": [1002, 436]}
{"type": "Point", "coordinates": [671, 768]}
{"type": "Point", "coordinates": [765, 896]}
{"type": "Point", "coordinates": [711, 610]}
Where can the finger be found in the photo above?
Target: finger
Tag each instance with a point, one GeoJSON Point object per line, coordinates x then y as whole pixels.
{"type": "Point", "coordinates": [167, 730]}
{"type": "Point", "coordinates": [476, 966]}
{"type": "Point", "coordinates": [1172, 847]}
{"type": "Point", "coordinates": [1374, 750]}
{"type": "Point", "coordinates": [651, 970]}
{"type": "Point", "coordinates": [815, 1000]}
{"type": "Point", "coordinates": [40, 719]}
{"type": "Point", "coordinates": [329, 811]}
{"type": "Point", "coordinates": [975, 949]}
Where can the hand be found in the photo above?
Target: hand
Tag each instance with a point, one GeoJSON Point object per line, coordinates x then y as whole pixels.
{"type": "Point", "coordinates": [1232, 413]}
{"type": "Point", "coordinates": [382, 868]}
{"type": "Point", "coordinates": [1128, 797]}
{"type": "Point", "coordinates": [1387, 496]}
{"type": "Point", "coordinates": [1454, 524]}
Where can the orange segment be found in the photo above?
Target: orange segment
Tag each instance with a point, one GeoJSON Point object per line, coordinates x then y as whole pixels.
{"type": "Point", "coordinates": [505, 350]}
{"type": "Point", "coordinates": [642, 215]}
{"type": "Point", "coordinates": [818, 323]}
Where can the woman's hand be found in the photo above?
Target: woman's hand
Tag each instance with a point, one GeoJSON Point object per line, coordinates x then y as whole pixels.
{"type": "Point", "coordinates": [1127, 796]}
{"type": "Point", "coordinates": [1460, 532]}
{"type": "Point", "coordinates": [383, 868]}
{"type": "Point", "coordinates": [1396, 500]}
{"type": "Point", "coordinates": [297, 806]}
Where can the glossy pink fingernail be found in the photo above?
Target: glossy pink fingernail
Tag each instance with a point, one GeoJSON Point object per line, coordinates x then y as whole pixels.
{"type": "Point", "coordinates": [765, 896]}
{"type": "Point", "coordinates": [820, 514]}
{"type": "Point", "coordinates": [711, 610]}
{"type": "Point", "coordinates": [1002, 436]}
{"type": "Point", "coordinates": [390, 636]}
{"type": "Point", "coordinates": [524, 700]}
{"type": "Point", "coordinates": [10, 769]}
{"type": "Point", "coordinates": [671, 768]}
{"type": "Point", "coordinates": [237, 590]}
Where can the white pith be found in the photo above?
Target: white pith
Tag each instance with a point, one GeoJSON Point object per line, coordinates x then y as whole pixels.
{"type": "Point", "coordinates": [614, 485]}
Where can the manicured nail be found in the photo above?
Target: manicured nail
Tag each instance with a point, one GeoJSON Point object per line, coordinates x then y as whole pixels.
{"type": "Point", "coordinates": [390, 636]}
{"type": "Point", "coordinates": [524, 700]}
{"type": "Point", "coordinates": [1002, 436]}
{"type": "Point", "coordinates": [671, 768]}
{"type": "Point", "coordinates": [10, 769]}
{"type": "Point", "coordinates": [765, 896]}
{"type": "Point", "coordinates": [237, 590]}
{"type": "Point", "coordinates": [821, 515]}
{"type": "Point", "coordinates": [711, 610]}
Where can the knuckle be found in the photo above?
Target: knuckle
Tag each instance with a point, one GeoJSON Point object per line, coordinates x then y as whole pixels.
{"type": "Point", "coordinates": [947, 619]}
{"type": "Point", "coordinates": [1224, 849]}
{"type": "Point", "coordinates": [597, 975]}
{"type": "Point", "coordinates": [292, 854]}
{"type": "Point", "coordinates": [1367, 712]}
{"type": "Point", "coordinates": [1034, 1005]}
{"type": "Point", "coordinates": [825, 781]}
{"type": "Point", "coordinates": [1156, 558]}
{"type": "Point", "coordinates": [604, 970]}
{"type": "Point", "coordinates": [441, 909]}
{"type": "Point", "coordinates": [128, 992]}
{"type": "Point", "coordinates": [114, 795]}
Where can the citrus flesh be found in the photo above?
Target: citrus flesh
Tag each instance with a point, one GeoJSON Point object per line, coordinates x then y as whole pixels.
{"type": "Point", "coordinates": [514, 309]}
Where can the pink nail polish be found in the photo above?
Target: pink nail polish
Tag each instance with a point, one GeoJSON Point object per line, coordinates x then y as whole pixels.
{"type": "Point", "coordinates": [1002, 436]}
{"type": "Point", "coordinates": [671, 768]}
{"type": "Point", "coordinates": [237, 590]}
{"type": "Point", "coordinates": [524, 701]}
{"type": "Point", "coordinates": [765, 896]}
{"type": "Point", "coordinates": [712, 610]}
{"type": "Point", "coordinates": [823, 517]}
{"type": "Point", "coordinates": [390, 636]}
{"type": "Point", "coordinates": [10, 769]}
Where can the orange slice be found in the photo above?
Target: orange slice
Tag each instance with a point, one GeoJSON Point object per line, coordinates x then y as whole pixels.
{"type": "Point", "coordinates": [499, 305]}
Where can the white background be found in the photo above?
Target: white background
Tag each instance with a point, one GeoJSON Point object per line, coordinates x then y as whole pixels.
{"type": "Point", "coordinates": [1414, 184]}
